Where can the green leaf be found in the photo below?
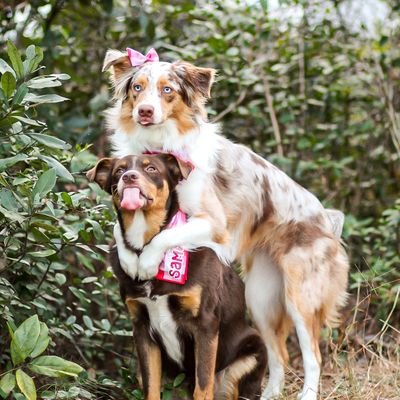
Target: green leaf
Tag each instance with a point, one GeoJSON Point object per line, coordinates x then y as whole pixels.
{"type": "Point", "coordinates": [178, 380]}
{"type": "Point", "coordinates": [43, 82]}
{"type": "Point", "coordinates": [30, 52]}
{"type": "Point", "coordinates": [8, 83]}
{"type": "Point", "coordinates": [10, 161]}
{"type": "Point", "coordinates": [42, 341]}
{"type": "Point", "coordinates": [25, 337]}
{"type": "Point", "coordinates": [66, 198]}
{"type": "Point", "coordinates": [50, 141]}
{"type": "Point", "coordinates": [3, 96]}
{"type": "Point", "coordinates": [7, 384]}
{"type": "Point", "coordinates": [11, 215]}
{"type": "Point", "coordinates": [16, 355]}
{"type": "Point", "coordinates": [11, 328]}
{"type": "Point", "coordinates": [15, 58]}
{"type": "Point", "coordinates": [42, 253]}
{"type": "Point", "coordinates": [55, 367]}
{"type": "Point", "coordinates": [4, 67]}
{"type": "Point", "coordinates": [20, 94]}
{"type": "Point", "coordinates": [60, 279]}
{"type": "Point", "coordinates": [61, 77]}
{"type": "Point", "coordinates": [166, 395]}
{"type": "Point", "coordinates": [29, 121]}
{"type": "Point", "coordinates": [34, 55]}
{"type": "Point", "coordinates": [88, 322]}
{"type": "Point", "coordinates": [45, 183]}
{"type": "Point", "coordinates": [59, 168]}
{"type": "Point", "coordinates": [44, 98]}
{"type": "Point", "coordinates": [26, 385]}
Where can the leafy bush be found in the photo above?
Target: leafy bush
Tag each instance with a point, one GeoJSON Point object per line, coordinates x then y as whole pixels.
{"type": "Point", "coordinates": [52, 238]}
{"type": "Point", "coordinates": [31, 339]}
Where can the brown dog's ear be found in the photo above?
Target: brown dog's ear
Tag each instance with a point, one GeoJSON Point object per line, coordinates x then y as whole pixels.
{"type": "Point", "coordinates": [179, 169]}
{"type": "Point", "coordinates": [118, 62]}
{"type": "Point", "coordinates": [101, 173]}
{"type": "Point", "coordinates": [196, 79]}
{"type": "Point", "coordinates": [185, 167]}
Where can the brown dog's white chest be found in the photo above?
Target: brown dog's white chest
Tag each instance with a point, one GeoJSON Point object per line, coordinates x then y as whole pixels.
{"type": "Point", "coordinates": [163, 324]}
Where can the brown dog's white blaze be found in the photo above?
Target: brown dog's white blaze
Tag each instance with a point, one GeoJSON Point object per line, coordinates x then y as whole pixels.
{"type": "Point", "coordinates": [175, 92]}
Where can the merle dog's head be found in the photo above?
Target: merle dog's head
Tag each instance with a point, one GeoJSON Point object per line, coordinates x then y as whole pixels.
{"type": "Point", "coordinates": [158, 92]}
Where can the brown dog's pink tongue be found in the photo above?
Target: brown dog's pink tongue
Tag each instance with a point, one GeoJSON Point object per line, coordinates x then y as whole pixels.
{"type": "Point", "coordinates": [131, 199]}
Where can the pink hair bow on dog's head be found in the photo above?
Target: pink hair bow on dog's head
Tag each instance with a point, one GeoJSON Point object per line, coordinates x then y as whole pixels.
{"type": "Point", "coordinates": [137, 59]}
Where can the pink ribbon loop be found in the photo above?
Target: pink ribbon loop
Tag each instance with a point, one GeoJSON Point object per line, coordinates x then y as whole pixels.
{"type": "Point", "coordinates": [137, 59]}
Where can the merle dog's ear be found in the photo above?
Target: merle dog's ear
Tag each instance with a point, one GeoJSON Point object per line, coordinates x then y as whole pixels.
{"type": "Point", "coordinates": [101, 173]}
{"type": "Point", "coordinates": [118, 62]}
{"type": "Point", "coordinates": [196, 81]}
{"type": "Point", "coordinates": [178, 169]}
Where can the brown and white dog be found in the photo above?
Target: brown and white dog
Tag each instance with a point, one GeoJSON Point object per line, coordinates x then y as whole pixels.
{"type": "Point", "coordinates": [200, 326]}
{"type": "Point", "coordinates": [240, 205]}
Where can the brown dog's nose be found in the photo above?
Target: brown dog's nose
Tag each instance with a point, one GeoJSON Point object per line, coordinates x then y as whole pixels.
{"type": "Point", "coordinates": [146, 111]}
{"type": "Point", "coordinates": [130, 177]}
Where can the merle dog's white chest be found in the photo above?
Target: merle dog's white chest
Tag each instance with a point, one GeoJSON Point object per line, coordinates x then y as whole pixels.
{"type": "Point", "coordinates": [163, 323]}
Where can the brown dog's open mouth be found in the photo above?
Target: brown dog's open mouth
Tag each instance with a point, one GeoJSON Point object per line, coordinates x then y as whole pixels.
{"type": "Point", "coordinates": [133, 198]}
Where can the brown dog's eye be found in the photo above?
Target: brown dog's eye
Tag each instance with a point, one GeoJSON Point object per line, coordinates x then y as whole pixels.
{"type": "Point", "coordinates": [150, 169]}
{"type": "Point", "coordinates": [120, 171]}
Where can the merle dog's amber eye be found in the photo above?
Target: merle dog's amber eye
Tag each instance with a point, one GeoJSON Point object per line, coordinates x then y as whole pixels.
{"type": "Point", "coordinates": [150, 168]}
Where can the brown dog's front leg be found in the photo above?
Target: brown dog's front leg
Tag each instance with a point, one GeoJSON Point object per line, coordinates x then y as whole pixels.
{"type": "Point", "coordinates": [149, 356]}
{"type": "Point", "coordinates": [206, 345]}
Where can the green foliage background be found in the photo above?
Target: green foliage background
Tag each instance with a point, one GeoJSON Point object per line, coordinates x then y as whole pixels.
{"type": "Point", "coordinates": [315, 96]}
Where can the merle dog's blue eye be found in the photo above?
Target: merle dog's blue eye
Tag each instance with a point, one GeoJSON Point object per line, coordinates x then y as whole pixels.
{"type": "Point", "coordinates": [167, 89]}
{"type": "Point", "coordinates": [137, 88]}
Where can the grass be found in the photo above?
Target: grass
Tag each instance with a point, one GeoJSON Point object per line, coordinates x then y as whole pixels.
{"type": "Point", "coordinates": [363, 362]}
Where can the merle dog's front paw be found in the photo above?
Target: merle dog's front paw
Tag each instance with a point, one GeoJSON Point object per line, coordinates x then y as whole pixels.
{"type": "Point", "coordinates": [149, 262]}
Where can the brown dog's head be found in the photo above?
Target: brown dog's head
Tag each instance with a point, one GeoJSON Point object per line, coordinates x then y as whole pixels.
{"type": "Point", "coordinates": [139, 182]}
{"type": "Point", "coordinates": [158, 91]}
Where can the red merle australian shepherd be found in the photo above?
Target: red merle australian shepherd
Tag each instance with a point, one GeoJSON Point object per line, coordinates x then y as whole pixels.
{"type": "Point", "coordinates": [239, 205]}
{"type": "Point", "coordinates": [198, 327]}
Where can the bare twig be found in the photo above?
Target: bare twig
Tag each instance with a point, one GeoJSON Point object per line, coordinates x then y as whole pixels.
{"type": "Point", "coordinates": [231, 106]}
{"type": "Point", "coordinates": [387, 91]}
{"type": "Point", "coordinates": [302, 79]}
{"type": "Point", "coordinates": [272, 114]}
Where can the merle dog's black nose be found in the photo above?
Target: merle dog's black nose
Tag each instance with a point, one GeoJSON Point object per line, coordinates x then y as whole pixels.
{"type": "Point", "coordinates": [130, 176]}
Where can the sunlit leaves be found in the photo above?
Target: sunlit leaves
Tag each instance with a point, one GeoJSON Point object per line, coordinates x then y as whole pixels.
{"type": "Point", "coordinates": [55, 367]}
{"type": "Point", "coordinates": [26, 384]}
